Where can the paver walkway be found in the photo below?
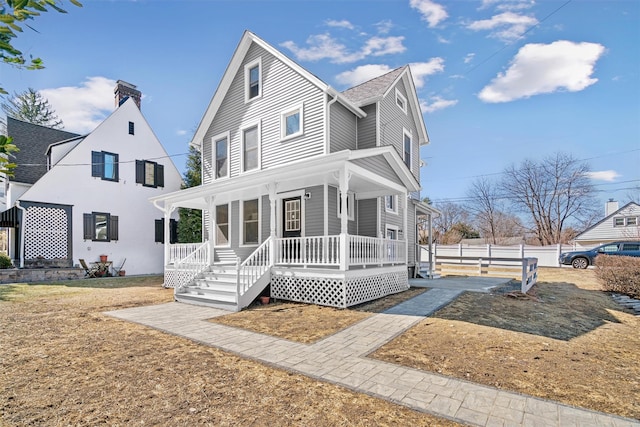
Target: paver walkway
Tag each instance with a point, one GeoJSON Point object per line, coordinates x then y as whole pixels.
{"type": "Point", "coordinates": [341, 359]}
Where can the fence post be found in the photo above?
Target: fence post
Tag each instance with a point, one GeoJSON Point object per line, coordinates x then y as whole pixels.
{"type": "Point", "coordinates": [525, 272]}
{"type": "Point", "coordinates": [558, 252]}
{"type": "Point", "coordinates": [521, 250]}
{"type": "Point", "coordinates": [480, 266]}
{"type": "Point", "coordinates": [489, 252]}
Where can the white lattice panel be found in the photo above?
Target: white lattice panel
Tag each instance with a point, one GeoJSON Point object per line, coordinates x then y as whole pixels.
{"type": "Point", "coordinates": [45, 233]}
{"type": "Point", "coordinates": [173, 278]}
{"type": "Point", "coordinates": [367, 288]}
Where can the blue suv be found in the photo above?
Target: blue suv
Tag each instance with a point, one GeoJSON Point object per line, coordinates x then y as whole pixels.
{"type": "Point", "coordinates": [583, 259]}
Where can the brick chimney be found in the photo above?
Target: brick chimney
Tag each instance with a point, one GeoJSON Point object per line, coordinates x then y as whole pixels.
{"type": "Point", "coordinates": [126, 90]}
{"type": "Point", "coordinates": [610, 207]}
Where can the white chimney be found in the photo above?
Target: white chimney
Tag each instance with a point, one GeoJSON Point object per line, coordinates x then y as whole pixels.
{"type": "Point", "coordinates": [610, 207]}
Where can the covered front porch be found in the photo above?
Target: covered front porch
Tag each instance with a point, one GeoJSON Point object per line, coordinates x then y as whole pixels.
{"type": "Point", "coordinates": [314, 251]}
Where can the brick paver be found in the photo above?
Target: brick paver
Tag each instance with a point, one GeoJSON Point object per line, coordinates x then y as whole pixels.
{"type": "Point", "coordinates": [341, 359]}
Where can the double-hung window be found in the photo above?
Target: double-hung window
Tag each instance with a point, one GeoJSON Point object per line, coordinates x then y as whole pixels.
{"type": "Point", "coordinates": [251, 148]}
{"type": "Point", "coordinates": [253, 80]}
{"type": "Point", "coordinates": [104, 165]}
{"type": "Point", "coordinates": [291, 122]}
{"type": "Point", "coordinates": [250, 222]}
{"type": "Point", "coordinates": [100, 227]}
{"type": "Point", "coordinates": [391, 203]}
{"type": "Point", "coordinates": [222, 225]}
{"type": "Point", "coordinates": [221, 155]}
{"type": "Point", "coordinates": [406, 147]}
{"type": "Point", "coordinates": [149, 174]}
{"type": "Point", "coordinates": [401, 101]}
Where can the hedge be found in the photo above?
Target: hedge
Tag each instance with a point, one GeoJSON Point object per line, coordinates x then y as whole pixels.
{"type": "Point", "coordinates": [620, 274]}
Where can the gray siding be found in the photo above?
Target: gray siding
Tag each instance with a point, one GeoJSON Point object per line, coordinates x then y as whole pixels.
{"type": "Point", "coordinates": [367, 128]}
{"type": "Point", "coordinates": [334, 221]}
{"type": "Point", "coordinates": [342, 129]}
{"type": "Point", "coordinates": [282, 88]}
{"type": "Point", "coordinates": [390, 218]}
{"type": "Point", "coordinates": [368, 218]}
{"type": "Point", "coordinates": [265, 216]}
{"type": "Point", "coordinates": [314, 212]}
{"type": "Point", "coordinates": [379, 166]}
{"type": "Point", "coordinates": [393, 120]}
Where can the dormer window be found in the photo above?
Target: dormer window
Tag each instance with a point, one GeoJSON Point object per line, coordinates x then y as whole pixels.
{"type": "Point", "coordinates": [401, 101]}
{"type": "Point", "coordinates": [253, 80]}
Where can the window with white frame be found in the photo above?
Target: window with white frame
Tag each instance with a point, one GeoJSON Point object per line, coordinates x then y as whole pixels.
{"type": "Point", "coordinates": [391, 203]}
{"type": "Point", "coordinates": [291, 122]}
{"type": "Point", "coordinates": [222, 225]}
{"type": "Point", "coordinates": [251, 148]}
{"type": "Point", "coordinates": [253, 80]}
{"type": "Point", "coordinates": [618, 222]}
{"type": "Point", "coordinates": [406, 147]}
{"type": "Point", "coordinates": [250, 222]}
{"type": "Point", "coordinates": [221, 155]}
{"type": "Point", "coordinates": [391, 232]}
{"type": "Point", "coordinates": [350, 206]}
{"type": "Point", "coordinates": [632, 220]}
{"type": "Point", "coordinates": [625, 221]}
{"type": "Point", "coordinates": [401, 101]}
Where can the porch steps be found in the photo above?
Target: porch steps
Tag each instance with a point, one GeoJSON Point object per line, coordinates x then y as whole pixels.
{"type": "Point", "coordinates": [214, 288]}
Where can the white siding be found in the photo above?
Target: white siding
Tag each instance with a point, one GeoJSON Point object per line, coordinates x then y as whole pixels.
{"type": "Point", "coordinates": [606, 231]}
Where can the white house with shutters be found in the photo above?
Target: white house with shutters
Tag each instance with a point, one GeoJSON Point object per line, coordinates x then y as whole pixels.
{"type": "Point", "coordinates": [81, 196]}
{"type": "Point", "coordinates": [307, 190]}
{"type": "Point", "coordinates": [618, 224]}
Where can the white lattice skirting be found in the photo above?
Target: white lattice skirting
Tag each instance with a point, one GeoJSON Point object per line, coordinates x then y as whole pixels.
{"type": "Point", "coordinates": [340, 289]}
{"type": "Point", "coordinates": [45, 233]}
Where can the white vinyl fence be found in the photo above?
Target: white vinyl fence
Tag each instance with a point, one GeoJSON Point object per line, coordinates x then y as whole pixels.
{"type": "Point", "coordinates": [547, 255]}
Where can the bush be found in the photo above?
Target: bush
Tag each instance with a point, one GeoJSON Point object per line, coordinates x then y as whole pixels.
{"type": "Point", "coordinates": [5, 261]}
{"type": "Point", "coordinates": [620, 274]}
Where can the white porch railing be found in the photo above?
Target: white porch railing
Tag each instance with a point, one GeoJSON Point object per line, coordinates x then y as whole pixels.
{"type": "Point", "coordinates": [254, 267]}
{"type": "Point", "coordinates": [186, 269]}
{"type": "Point", "coordinates": [365, 250]}
{"type": "Point", "coordinates": [179, 251]}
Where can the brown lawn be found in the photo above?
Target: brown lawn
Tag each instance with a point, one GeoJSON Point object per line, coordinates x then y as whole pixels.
{"type": "Point", "coordinates": [63, 363]}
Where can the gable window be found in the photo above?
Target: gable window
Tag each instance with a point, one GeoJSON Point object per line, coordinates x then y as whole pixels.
{"type": "Point", "coordinates": [391, 203]}
{"type": "Point", "coordinates": [131, 128]}
{"type": "Point", "coordinates": [291, 122]}
{"type": "Point", "coordinates": [406, 147]}
{"type": "Point", "coordinates": [104, 165]}
{"type": "Point", "coordinates": [401, 101]}
{"type": "Point", "coordinates": [253, 80]}
{"type": "Point", "coordinates": [100, 227]}
{"type": "Point", "coordinates": [618, 222]}
{"type": "Point", "coordinates": [250, 223]}
{"type": "Point", "coordinates": [149, 174]}
{"type": "Point", "coordinates": [221, 155]}
{"type": "Point", "coordinates": [632, 220]}
{"type": "Point", "coordinates": [222, 225]}
{"type": "Point", "coordinates": [350, 206]}
{"type": "Point", "coordinates": [251, 148]}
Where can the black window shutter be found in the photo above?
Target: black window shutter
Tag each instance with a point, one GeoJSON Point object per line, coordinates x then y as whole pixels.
{"type": "Point", "coordinates": [173, 231]}
{"type": "Point", "coordinates": [116, 166]}
{"type": "Point", "coordinates": [139, 172]}
{"type": "Point", "coordinates": [113, 227]}
{"type": "Point", "coordinates": [97, 163]}
{"type": "Point", "coordinates": [131, 128]}
{"type": "Point", "coordinates": [87, 220]}
{"type": "Point", "coordinates": [159, 226]}
{"type": "Point", "coordinates": [159, 175]}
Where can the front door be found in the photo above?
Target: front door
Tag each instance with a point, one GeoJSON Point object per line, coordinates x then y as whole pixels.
{"type": "Point", "coordinates": [292, 217]}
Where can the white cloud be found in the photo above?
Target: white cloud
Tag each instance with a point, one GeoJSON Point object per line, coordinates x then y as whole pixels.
{"type": "Point", "coordinates": [421, 70]}
{"type": "Point", "coordinates": [545, 68]}
{"type": "Point", "coordinates": [323, 46]}
{"type": "Point", "coordinates": [181, 132]}
{"type": "Point", "coordinates": [340, 24]}
{"type": "Point", "coordinates": [608, 175]}
{"type": "Point", "coordinates": [436, 103]}
{"type": "Point", "coordinates": [362, 74]}
{"type": "Point", "coordinates": [384, 27]}
{"type": "Point", "coordinates": [507, 26]}
{"type": "Point", "coordinates": [469, 57]}
{"type": "Point", "coordinates": [83, 107]}
{"type": "Point", "coordinates": [508, 4]}
{"type": "Point", "coordinates": [433, 13]}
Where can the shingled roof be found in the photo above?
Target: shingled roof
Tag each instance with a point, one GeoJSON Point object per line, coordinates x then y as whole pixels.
{"type": "Point", "coordinates": [372, 88]}
{"type": "Point", "coordinates": [33, 142]}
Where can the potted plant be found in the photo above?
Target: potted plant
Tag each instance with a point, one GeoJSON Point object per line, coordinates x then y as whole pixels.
{"type": "Point", "coordinates": [103, 258]}
{"type": "Point", "coordinates": [264, 299]}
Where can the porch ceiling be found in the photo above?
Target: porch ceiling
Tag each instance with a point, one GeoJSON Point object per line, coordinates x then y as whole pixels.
{"type": "Point", "coordinates": [296, 175]}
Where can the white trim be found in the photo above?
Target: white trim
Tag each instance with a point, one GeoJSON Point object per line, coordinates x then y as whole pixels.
{"type": "Point", "coordinates": [247, 69]}
{"type": "Point", "coordinates": [402, 98]}
{"type": "Point", "coordinates": [395, 228]}
{"type": "Point", "coordinates": [279, 213]}
{"type": "Point", "coordinates": [407, 132]}
{"type": "Point", "coordinates": [394, 209]}
{"type": "Point", "coordinates": [241, 243]}
{"type": "Point", "coordinates": [225, 135]}
{"type": "Point", "coordinates": [243, 129]}
{"type": "Point", "coordinates": [378, 124]}
{"type": "Point", "coordinates": [326, 208]}
{"type": "Point", "coordinates": [299, 108]}
{"type": "Point", "coordinates": [351, 203]}
{"type": "Point", "coordinates": [215, 222]}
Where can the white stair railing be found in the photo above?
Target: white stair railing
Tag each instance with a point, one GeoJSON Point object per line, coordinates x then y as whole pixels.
{"type": "Point", "coordinates": [179, 251]}
{"type": "Point", "coordinates": [190, 266]}
{"type": "Point", "coordinates": [254, 267]}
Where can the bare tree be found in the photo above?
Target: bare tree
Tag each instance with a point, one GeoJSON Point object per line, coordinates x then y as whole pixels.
{"type": "Point", "coordinates": [552, 193]}
{"type": "Point", "coordinates": [453, 224]}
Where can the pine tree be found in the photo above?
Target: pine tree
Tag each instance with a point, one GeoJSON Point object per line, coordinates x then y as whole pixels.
{"type": "Point", "coordinates": [30, 106]}
{"type": "Point", "coordinates": [190, 223]}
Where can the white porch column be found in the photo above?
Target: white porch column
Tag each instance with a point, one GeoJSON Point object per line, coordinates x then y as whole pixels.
{"type": "Point", "coordinates": [431, 257]}
{"type": "Point", "coordinates": [273, 203]}
{"type": "Point", "coordinates": [343, 179]}
{"type": "Point", "coordinates": [211, 228]}
{"type": "Point", "coordinates": [168, 210]}
{"type": "Point", "coordinates": [405, 224]}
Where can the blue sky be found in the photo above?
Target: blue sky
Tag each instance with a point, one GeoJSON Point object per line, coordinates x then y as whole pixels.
{"type": "Point", "coordinates": [498, 81]}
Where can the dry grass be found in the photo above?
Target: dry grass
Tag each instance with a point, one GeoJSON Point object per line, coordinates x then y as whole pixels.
{"type": "Point", "coordinates": [62, 363]}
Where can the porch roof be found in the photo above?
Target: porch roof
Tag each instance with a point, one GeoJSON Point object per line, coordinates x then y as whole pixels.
{"type": "Point", "coordinates": [365, 183]}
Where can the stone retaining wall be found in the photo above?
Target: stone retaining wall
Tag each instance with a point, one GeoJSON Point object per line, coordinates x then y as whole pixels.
{"type": "Point", "coordinates": [27, 275]}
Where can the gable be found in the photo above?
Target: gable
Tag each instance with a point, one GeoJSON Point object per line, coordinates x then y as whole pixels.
{"type": "Point", "coordinates": [607, 229]}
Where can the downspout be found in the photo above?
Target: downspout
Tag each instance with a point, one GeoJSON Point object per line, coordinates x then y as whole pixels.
{"type": "Point", "coordinates": [328, 122]}
{"type": "Point", "coordinates": [24, 215]}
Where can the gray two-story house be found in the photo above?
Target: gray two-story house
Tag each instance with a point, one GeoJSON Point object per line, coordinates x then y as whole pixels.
{"type": "Point", "coordinates": [312, 191]}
